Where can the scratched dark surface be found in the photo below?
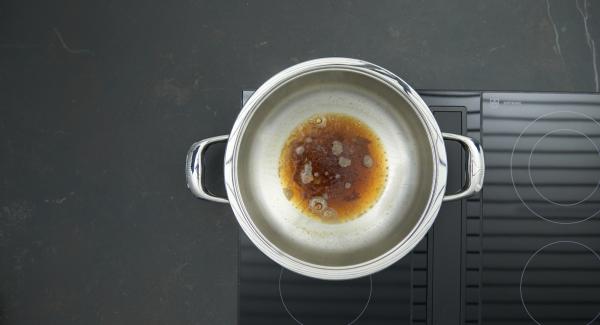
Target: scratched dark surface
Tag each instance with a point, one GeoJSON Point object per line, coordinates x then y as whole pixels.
{"type": "Point", "coordinates": [100, 100]}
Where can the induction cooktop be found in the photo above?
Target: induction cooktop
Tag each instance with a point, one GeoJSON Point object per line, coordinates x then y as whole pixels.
{"type": "Point", "coordinates": [523, 251]}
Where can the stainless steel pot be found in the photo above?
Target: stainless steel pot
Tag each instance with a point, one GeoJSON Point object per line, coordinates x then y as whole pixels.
{"type": "Point", "coordinates": [411, 198]}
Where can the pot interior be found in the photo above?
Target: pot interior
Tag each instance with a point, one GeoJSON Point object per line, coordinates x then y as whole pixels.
{"type": "Point", "coordinates": [407, 191]}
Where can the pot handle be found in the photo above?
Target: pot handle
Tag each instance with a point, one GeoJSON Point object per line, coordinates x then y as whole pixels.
{"type": "Point", "coordinates": [475, 167]}
{"type": "Point", "coordinates": [194, 168]}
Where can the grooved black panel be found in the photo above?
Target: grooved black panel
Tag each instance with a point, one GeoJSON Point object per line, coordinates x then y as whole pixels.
{"type": "Point", "coordinates": [541, 200]}
{"type": "Point", "coordinates": [468, 311]}
{"type": "Point", "coordinates": [446, 235]}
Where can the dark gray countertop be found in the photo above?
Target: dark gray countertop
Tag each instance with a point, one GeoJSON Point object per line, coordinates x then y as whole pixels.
{"type": "Point", "coordinates": [100, 101]}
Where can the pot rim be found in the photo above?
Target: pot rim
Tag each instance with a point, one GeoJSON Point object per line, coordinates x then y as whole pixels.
{"type": "Point", "coordinates": [399, 250]}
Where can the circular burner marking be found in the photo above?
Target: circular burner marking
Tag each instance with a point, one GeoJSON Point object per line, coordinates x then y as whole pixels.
{"type": "Point", "coordinates": [353, 321]}
{"type": "Point", "coordinates": [529, 313]}
{"type": "Point", "coordinates": [512, 176]}
{"type": "Point", "coordinates": [531, 178]}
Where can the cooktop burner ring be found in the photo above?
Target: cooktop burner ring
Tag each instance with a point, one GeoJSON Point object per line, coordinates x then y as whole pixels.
{"type": "Point", "coordinates": [531, 178]}
{"type": "Point", "coordinates": [512, 176]}
{"type": "Point", "coordinates": [533, 256]}
{"type": "Point", "coordinates": [353, 321]}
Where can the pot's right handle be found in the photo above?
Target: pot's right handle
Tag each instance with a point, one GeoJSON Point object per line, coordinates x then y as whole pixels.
{"type": "Point", "coordinates": [194, 168]}
{"type": "Point", "coordinates": [475, 167]}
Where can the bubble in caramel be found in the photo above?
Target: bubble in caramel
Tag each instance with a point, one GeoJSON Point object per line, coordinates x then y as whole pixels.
{"type": "Point", "coordinates": [333, 167]}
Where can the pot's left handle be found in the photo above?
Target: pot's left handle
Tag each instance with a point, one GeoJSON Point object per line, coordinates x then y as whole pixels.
{"type": "Point", "coordinates": [194, 168]}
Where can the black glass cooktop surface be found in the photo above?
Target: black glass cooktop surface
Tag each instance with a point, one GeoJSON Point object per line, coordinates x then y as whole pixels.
{"type": "Point", "coordinates": [541, 230]}
{"type": "Point", "coordinates": [524, 251]}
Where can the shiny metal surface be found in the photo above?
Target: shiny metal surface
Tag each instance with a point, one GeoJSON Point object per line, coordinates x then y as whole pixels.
{"type": "Point", "coordinates": [194, 171]}
{"type": "Point", "coordinates": [475, 167]}
{"type": "Point", "coordinates": [416, 159]}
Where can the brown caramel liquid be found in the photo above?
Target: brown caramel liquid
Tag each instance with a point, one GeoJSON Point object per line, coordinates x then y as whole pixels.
{"type": "Point", "coordinates": [333, 167]}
